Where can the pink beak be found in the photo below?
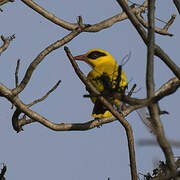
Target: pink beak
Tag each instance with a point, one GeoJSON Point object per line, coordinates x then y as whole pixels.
{"type": "Point", "coordinates": [82, 57]}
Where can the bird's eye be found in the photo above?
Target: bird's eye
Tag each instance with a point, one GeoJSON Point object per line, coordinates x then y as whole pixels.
{"type": "Point", "coordinates": [95, 54]}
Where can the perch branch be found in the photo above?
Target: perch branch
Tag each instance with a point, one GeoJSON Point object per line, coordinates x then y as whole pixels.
{"type": "Point", "coordinates": [46, 95]}
{"type": "Point", "coordinates": [6, 42]}
{"type": "Point", "coordinates": [166, 89]}
{"type": "Point", "coordinates": [123, 121]}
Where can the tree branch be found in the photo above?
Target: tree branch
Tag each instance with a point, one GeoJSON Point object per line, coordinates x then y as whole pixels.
{"type": "Point", "coordinates": [168, 88]}
{"type": "Point", "coordinates": [158, 51]}
{"type": "Point", "coordinates": [124, 123]}
{"type": "Point", "coordinates": [93, 28]}
{"type": "Point", "coordinates": [153, 109]}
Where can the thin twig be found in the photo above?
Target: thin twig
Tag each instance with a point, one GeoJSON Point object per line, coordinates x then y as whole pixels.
{"type": "Point", "coordinates": [45, 96]}
{"type": "Point", "coordinates": [129, 95]}
{"type": "Point", "coordinates": [16, 73]}
{"type": "Point", "coordinates": [124, 123]}
{"type": "Point", "coordinates": [166, 27]}
{"type": "Point", "coordinates": [131, 91]}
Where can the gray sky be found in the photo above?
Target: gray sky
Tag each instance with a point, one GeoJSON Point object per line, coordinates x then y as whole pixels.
{"type": "Point", "coordinates": [40, 153]}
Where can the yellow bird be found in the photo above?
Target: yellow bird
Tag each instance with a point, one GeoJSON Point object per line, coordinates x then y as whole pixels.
{"type": "Point", "coordinates": [106, 76]}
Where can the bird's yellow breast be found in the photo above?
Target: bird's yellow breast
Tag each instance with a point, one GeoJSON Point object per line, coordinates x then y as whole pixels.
{"type": "Point", "coordinates": [112, 72]}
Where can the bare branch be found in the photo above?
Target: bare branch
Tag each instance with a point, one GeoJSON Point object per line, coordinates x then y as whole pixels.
{"type": "Point", "coordinates": [174, 83]}
{"type": "Point", "coordinates": [6, 42]}
{"type": "Point", "coordinates": [162, 31]}
{"type": "Point", "coordinates": [45, 96]}
{"type": "Point", "coordinates": [41, 56]}
{"type": "Point", "coordinates": [71, 26]}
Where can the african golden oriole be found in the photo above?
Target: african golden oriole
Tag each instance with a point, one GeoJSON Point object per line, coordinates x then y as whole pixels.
{"type": "Point", "coordinates": [106, 76]}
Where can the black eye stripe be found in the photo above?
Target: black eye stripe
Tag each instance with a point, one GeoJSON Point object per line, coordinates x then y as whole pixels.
{"type": "Point", "coordinates": [95, 54]}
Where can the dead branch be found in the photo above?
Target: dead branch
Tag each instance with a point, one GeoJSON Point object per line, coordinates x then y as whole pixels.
{"type": "Point", "coordinates": [6, 42]}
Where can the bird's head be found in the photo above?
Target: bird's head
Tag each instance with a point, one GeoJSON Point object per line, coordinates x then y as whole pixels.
{"type": "Point", "coordinates": [96, 57]}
